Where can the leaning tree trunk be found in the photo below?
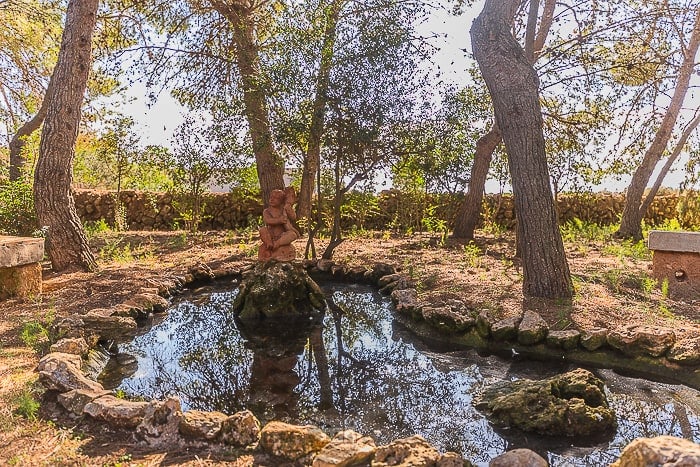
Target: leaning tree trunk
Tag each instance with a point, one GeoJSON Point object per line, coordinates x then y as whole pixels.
{"type": "Point", "coordinates": [633, 213]}
{"type": "Point", "coordinates": [469, 211]}
{"type": "Point", "coordinates": [18, 141]}
{"type": "Point", "coordinates": [312, 159]}
{"type": "Point", "coordinates": [513, 85]}
{"type": "Point", "coordinates": [269, 164]}
{"type": "Point", "coordinates": [55, 206]}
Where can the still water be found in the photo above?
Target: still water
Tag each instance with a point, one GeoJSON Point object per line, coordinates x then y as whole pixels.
{"type": "Point", "coordinates": [360, 371]}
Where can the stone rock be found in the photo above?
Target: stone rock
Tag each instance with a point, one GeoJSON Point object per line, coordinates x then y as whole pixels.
{"type": "Point", "coordinates": [505, 329]}
{"type": "Point", "coordinates": [685, 351]}
{"type": "Point", "coordinates": [571, 404]}
{"type": "Point", "coordinates": [200, 272]}
{"type": "Point", "coordinates": [20, 281]}
{"type": "Point", "coordinates": [117, 412]}
{"type": "Point", "coordinates": [18, 251]}
{"type": "Point", "coordinates": [483, 324]}
{"type": "Point", "coordinates": [388, 279]}
{"type": "Point", "coordinates": [161, 420]}
{"type": "Point", "coordinates": [567, 339]}
{"type": "Point", "coordinates": [278, 290]}
{"type": "Point", "coordinates": [406, 302]}
{"type": "Point", "coordinates": [75, 401]}
{"type": "Point", "coordinates": [356, 274]}
{"type": "Point", "coordinates": [452, 459]}
{"type": "Point", "coordinates": [109, 327]}
{"type": "Point", "coordinates": [379, 270]}
{"type": "Point", "coordinates": [200, 424]}
{"type": "Point", "coordinates": [666, 451]}
{"type": "Point", "coordinates": [72, 345]}
{"type": "Point", "coordinates": [401, 283]}
{"type": "Point", "coordinates": [71, 326]}
{"type": "Point", "coordinates": [61, 372]}
{"type": "Point", "coordinates": [240, 429]}
{"type": "Point", "coordinates": [639, 340]}
{"type": "Point", "coordinates": [519, 458]}
{"type": "Point", "coordinates": [347, 448]}
{"type": "Point", "coordinates": [292, 441]}
{"type": "Point", "coordinates": [533, 329]}
{"type": "Point", "coordinates": [414, 451]}
{"type": "Point", "coordinates": [144, 303]}
{"type": "Point", "coordinates": [593, 339]}
{"type": "Point", "coordinates": [325, 265]}
{"type": "Point", "coordinates": [447, 319]}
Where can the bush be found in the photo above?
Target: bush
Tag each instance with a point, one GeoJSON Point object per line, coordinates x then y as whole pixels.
{"type": "Point", "coordinates": [17, 216]}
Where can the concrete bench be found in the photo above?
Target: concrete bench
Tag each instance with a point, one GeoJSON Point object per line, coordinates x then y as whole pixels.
{"type": "Point", "coordinates": [677, 259]}
{"type": "Point", "coordinates": [20, 267]}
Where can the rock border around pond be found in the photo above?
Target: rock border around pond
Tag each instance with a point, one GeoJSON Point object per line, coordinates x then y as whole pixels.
{"type": "Point", "coordinates": [645, 350]}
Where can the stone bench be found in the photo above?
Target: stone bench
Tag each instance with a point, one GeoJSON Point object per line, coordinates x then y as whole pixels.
{"type": "Point", "coordinates": [20, 268]}
{"type": "Point", "coordinates": [677, 259]}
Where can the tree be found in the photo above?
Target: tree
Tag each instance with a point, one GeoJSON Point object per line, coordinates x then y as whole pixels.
{"type": "Point", "coordinates": [635, 208]}
{"type": "Point", "coordinates": [67, 246]}
{"type": "Point", "coordinates": [469, 211]}
{"type": "Point", "coordinates": [513, 85]}
{"type": "Point", "coordinates": [243, 16]}
{"type": "Point", "coordinates": [26, 65]}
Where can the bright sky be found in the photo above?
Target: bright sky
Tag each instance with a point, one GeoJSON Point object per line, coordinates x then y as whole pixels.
{"type": "Point", "coordinates": [156, 123]}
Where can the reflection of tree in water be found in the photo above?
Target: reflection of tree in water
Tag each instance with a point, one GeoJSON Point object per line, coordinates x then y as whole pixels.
{"type": "Point", "coordinates": [197, 354]}
{"type": "Point", "coordinates": [357, 372]}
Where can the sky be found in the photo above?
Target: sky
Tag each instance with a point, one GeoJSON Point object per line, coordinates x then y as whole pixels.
{"type": "Point", "coordinates": [157, 122]}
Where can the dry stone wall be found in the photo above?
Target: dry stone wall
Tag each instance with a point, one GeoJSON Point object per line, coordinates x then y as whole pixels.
{"type": "Point", "coordinates": [390, 209]}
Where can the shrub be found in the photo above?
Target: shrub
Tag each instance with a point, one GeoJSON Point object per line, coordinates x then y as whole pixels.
{"type": "Point", "coordinates": [17, 215]}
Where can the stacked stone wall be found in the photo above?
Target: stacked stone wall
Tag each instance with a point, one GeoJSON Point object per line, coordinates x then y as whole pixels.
{"type": "Point", "coordinates": [390, 209]}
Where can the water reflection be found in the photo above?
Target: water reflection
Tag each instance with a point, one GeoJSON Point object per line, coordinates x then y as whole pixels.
{"type": "Point", "coordinates": [359, 371]}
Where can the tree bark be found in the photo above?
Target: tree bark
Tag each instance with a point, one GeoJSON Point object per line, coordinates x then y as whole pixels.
{"type": "Point", "coordinates": [669, 162]}
{"type": "Point", "coordinates": [67, 246]}
{"type": "Point", "coordinates": [469, 211]}
{"type": "Point", "coordinates": [17, 161]}
{"type": "Point", "coordinates": [632, 214]}
{"type": "Point", "coordinates": [270, 167]}
{"type": "Point", "coordinates": [312, 159]}
{"type": "Point", "coordinates": [513, 85]}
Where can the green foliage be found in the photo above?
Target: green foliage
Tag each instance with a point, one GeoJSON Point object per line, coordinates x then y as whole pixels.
{"type": "Point", "coordinates": [27, 405]}
{"type": "Point", "coordinates": [577, 230]}
{"type": "Point", "coordinates": [628, 249]}
{"type": "Point", "coordinates": [17, 215]}
{"type": "Point", "coordinates": [114, 251]}
{"type": "Point", "coordinates": [36, 334]}
{"type": "Point", "coordinates": [688, 210]}
{"type": "Point", "coordinates": [96, 228]}
{"type": "Point", "coordinates": [472, 255]}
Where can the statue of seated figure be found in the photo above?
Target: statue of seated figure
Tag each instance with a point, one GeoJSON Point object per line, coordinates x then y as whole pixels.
{"type": "Point", "coordinates": [278, 233]}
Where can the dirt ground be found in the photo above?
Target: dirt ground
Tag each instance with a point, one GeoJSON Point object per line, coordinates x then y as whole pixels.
{"type": "Point", "coordinates": [612, 284]}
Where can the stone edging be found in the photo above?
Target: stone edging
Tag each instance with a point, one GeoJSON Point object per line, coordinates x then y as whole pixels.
{"type": "Point", "coordinates": [162, 423]}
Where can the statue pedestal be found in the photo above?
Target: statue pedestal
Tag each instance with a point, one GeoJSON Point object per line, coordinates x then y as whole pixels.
{"type": "Point", "coordinates": [20, 268]}
{"type": "Point", "coordinates": [283, 253]}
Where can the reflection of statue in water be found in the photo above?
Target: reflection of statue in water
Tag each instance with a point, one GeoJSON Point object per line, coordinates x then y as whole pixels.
{"type": "Point", "coordinates": [278, 233]}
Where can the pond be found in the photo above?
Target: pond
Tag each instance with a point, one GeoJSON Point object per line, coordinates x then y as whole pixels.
{"type": "Point", "coordinates": [359, 370]}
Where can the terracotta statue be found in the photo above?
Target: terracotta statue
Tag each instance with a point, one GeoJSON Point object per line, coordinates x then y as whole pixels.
{"type": "Point", "coordinates": [278, 233]}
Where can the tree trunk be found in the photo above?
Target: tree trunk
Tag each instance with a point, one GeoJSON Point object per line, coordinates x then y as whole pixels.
{"type": "Point", "coordinates": [513, 85]}
{"type": "Point", "coordinates": [312, 159]}
{"type": "Point", "coordinates": [17, 160]}
{"type": "Point", "coordinates": [669, 162]}
{"type": "Point", "coordinates": [632, 214]}
{"type": "Point", "coordinates": [469, 211]}
{"type": "Point", "coordinates": [55, 206]}
{"type": "Point", "coordinates": [270, 166]}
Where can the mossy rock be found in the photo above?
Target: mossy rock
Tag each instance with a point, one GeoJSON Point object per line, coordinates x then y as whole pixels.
{"type": "Point", "coordinates": [571, 404]}
{"type": "Point", "coordinates": [278, 290]}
